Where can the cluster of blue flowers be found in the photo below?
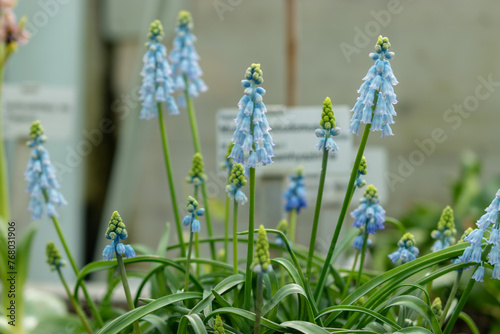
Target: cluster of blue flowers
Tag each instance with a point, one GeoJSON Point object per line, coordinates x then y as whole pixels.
{"type": "Point", "coordinates": [41, 176]}
{"type": "Point", "coordinates": [252, 128]}
{"type": "Point", "coordinates": [377, 88]}
{"type": "Point", "coordinates": [184, 59]}
{"type": "Point", "coordinates": [194, 212]}
{"type": "Point", "coordinates": [328, 129]}
{"type": "Point", "coordinates": [487, 223]}
{"type": "Point", "coordinates": [116, 231]}
{"type": "Point", "coordinates": [295, 195]}
{"type": "Point", "coordinates": [157, 85]}
{"type": "Point", "coordinates": [236, 181]}
{"type": "Point", "coordinates": [407, 251]}
{"type": "Point", "coordinates": [445, 233]}
{"type": "Point", "coordinates": [369, 214]}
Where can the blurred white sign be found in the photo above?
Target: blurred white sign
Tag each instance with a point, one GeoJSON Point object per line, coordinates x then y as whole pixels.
{"type": "Point", "coordinates": [54, 106]}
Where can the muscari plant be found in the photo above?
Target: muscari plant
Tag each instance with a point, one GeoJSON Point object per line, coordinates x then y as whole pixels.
{"type": "Point", "coordinates": [301, 290]}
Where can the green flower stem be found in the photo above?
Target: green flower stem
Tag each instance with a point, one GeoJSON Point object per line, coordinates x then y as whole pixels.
{"type": "Point", "coordinates": [319, 197]}
{"type": "Point", "coordinates": [72, 261]}
{"type": "Point", "coordinates": [126, 288]}
{"type": "Point", "coordinates": [351, 274]}
{"type": "Point", "coordinates": [197, 148]}
{"type": "Point", "coordinates": [75, 304]}
{"type": "Point", "coordinates": [251, 230]}
{"type": "Point", "coordinates": [188, 260]}
{"type": "Point", "coordinates": [168, 166]}
{"type": "Point", "coordinates": [293, 224]}
{"type": "Point", "coordinates": [460, 305]}
{"type": "Point", "coordinates": [196, 238]}
{"type": "Point", "coordinates": [4, 179]}
{"type": "Point", "coordinates": [362, 261]}
{"type": "Point", "coordinates": [258, 307]}
{"type": "Point", "coordinates": [345, 205]}
{"type": "Point", "coordinates": [226, 228]}
{"type": "Point", "coordinates": [453, 292]}
{"type": "Point", "coordinates": [235, 236]}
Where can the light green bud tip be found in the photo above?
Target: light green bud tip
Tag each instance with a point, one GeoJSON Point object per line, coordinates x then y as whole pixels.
{"type": "Point", "coordinates": [156, 31]}
{"type": "Point", "coordinates": [36, 129]}
{"type": "Point", "coordinates": [196, 173]}
{"type": "Point", "coordinates": [466, 233]}
{"type": "Point", "coordinates": [383, 44]}
{"type": "Point", "coordinates": [299, 171]}
{"type": "Point", "coordinates": [185, 18]}
{"type": "Point", "coordinates": [54, 258]}
{"type": "Point", "coordinates": [408, 239]}
{"type": "Point", "coordinates": [229, 149]}
{"type": "Point", "coordinates": [116, 228]}
{"type": "Point", "coordinates": [262, 260]}
{"type": "Point", "coordinates": [283, 226]}
{"type": "Point", "coordinates": [447, 222]}
{"type": "Point", "coordinates": [327, 121]}
{"type": "Point", "coordinates": [237, 177]}
{"type": "Point", "coordinates": [254, 73]}
{"type": "Point", "coordinates": [437, 307]}
{"type": "Point", "coordinates": [221, 255]}
{"type": "Point", "coordinates": [371, 192]}
{"type": "Point", "coordinates": [218, 327]}
{"type": "Point", "coordinates": [192, 204]}
{"type": "Point", "coordinates": [363, 166]}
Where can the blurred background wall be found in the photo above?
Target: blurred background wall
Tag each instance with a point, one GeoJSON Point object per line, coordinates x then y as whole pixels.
{"type": "Point", "coordinates": [446, 63]}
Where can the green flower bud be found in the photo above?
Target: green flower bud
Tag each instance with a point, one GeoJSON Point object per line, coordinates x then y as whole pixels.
{"type": "Point", "coordinates": [218, 327]}
{"type": "Point", "coordinates": [283, 226]}
{"type": "Point", "coordinates": [116, 228]}
{"type": "Point", "coordinates": [371, 193]}
{"type": "Point", "coordinates": [54, 258]}
{"type": "Point", "coordinates": [262, 260]}
{"type": "Point", "coordinates": [155, 31]}
{"type": "Point", "coordinates": [437, 307]}
{"type": "Point", "coordinates": [196, 173]}
{"type": "Point", "coordinates": [327, 121]}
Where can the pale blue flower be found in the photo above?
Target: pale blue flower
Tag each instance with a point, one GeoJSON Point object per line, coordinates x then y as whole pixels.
{"type": "Point", "coordinates": [184, 59]}
{"type": "Point", "coordinates": [328, 129]}
{"type": "Point", "coordinates": [369, 214]}
{"type": "Point", "coordinates": [295, 195]}
{"type": "Point", "coordinates": [157, 85]}
{"type": "Point", "coordinates": [378, 84]}
{"type": "Point", "coordinates": [252, 128]}
{"type": "Point", "coordinates": [407, 251]}
{"type": "Point", "coordinates": [479, 274]}
{"type": "Point", "coordinates": [358, 241]}
{"type": "Point", "coordinates": [41, 177]}
{"type": "Point", "coordinates": [445, 233]}
{"type": "Point", "coordinates": [116, 232]}
{"type": "Point", "coordinates": [194, 212]}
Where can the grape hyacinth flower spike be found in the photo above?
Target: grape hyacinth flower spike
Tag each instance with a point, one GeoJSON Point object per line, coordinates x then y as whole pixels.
{"type": "Point", "coordinates": [54, 258]}
{"type": "Point", "coordinates": [362, 170]}
{"type": "Point", "coordinates": [252, 128]}
{"type": "Point", "coordinates": [369, 214]}
{"type": "Point", "coordinates": [196, 173]}
{"type": "Point", "coordinates": [236, 181]}
{"type": "Point", "coordinates": [262, 260]}
{"type": "Point", "coordinates": [487, 223]}
{"type": "Point", "coordinates": [407, 251]}
{"type": "Point", "coordinates": [194, 213]}
{"type": "Point", "coordinates": [358, 241]}
{"type": "Point", "coordinates": [328, 128]}
{"type": "Point", "coordinates": [184, 59]}
{"type": "Point", "coordinates": [445, 233]}
{"type": "Point", "coordinates": [376, 96]}
{"type": "Point", "coordinates": [295, 195]}
{"type": "Point", "coordinates": [41, 176]}
{"type": "Point", "coordinates": [116, 232]}
{"type": "Point", "coordinates": [157, 85]}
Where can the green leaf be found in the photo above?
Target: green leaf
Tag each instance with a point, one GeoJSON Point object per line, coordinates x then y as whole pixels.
{"type": "Point", "coordinates": [221, 288]}
{"type": "Point", "coordinates": [130, 317]}
{"type": "Point", "coordinates": [240, 324]}
{"type": "Point", "coordinates": [156, 323]}
{"type": "Point", "coordinates": [418, 306]}
{"type": "Point", "coordinates": [305, 327]}
{"type": "Point", "coordinates": [163, 244]}
{"type": "Point", "coordinates": [414, 330]}
{"type": "Point", "coordinates": [23, 253]}
{"type": "Point", "coordinates": [359, 309]}
{"type": "Point", "coordinates": [247, 315]}
{"type": "Point", "coordinates": [196, 323]}
{"type": "Point", "coordinates": [285, 291]}
{"type": "Point", "coordinates": [468, 320]}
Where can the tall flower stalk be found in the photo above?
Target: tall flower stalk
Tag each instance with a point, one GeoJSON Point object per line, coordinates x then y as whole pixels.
{"type": "Point", "coordinates": [195, 227]}
{"type": "Point", "coordinates": [252, 136]}
{"type": "Point", "coordinates": [227, 165]}
{"type": "Point", "coordinates": [261, 265]}
{"type": "Point", "coordinates": [43, 188]}
{"type": "Point", "coordinates": [326, 144]}
{"type": "Point", "coordinates": [156, 90]}
{"type": "Point", "coordinates": [187, 79]}
{"type": "Point", "coordinates": [374, 107]}
{"type": "Point", "coordinates": [295, 197]}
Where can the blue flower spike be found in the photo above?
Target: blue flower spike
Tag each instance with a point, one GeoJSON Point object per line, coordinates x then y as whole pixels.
{"type": "Point", "coordinates": [157, 85]}
{"type": "Point", "coordinates": [487, 224]}
{"type": "Point", "coordinates": [362, 170]}
{"type": "Point", "coordinates": [197, 172]}
{"type": "Point", "coordinates": [184, 59]}
{"type": "Point", "coordinates": [41, 176]}
{"type": "Point", "coordinates": [369, 214]}
{"type": "Point", "coordinates": [194, 213]}
{"type": "Point", "coordinates": [54, 258]}
{"type": "Point", "coordinates": [407, 251]}
{"type": "Point", "coordinates": [358, 241]}
{"type": "Point", "coordinates": [262, 260]}
{"type": "Point", "coordinates": [445, 233]}
{"type": "Point", "coordinates": [295, 195]}
{"type": "Point", "coordinates": [377, 88]}
{"type": "Point", "coordinates": [236, 181]}
{"type": "Point", "coordinates": [116, 232]}
{"type": "Point", "coordinates": [328, 129]}
{"type": "Point", "coordinates": [252, 128]}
